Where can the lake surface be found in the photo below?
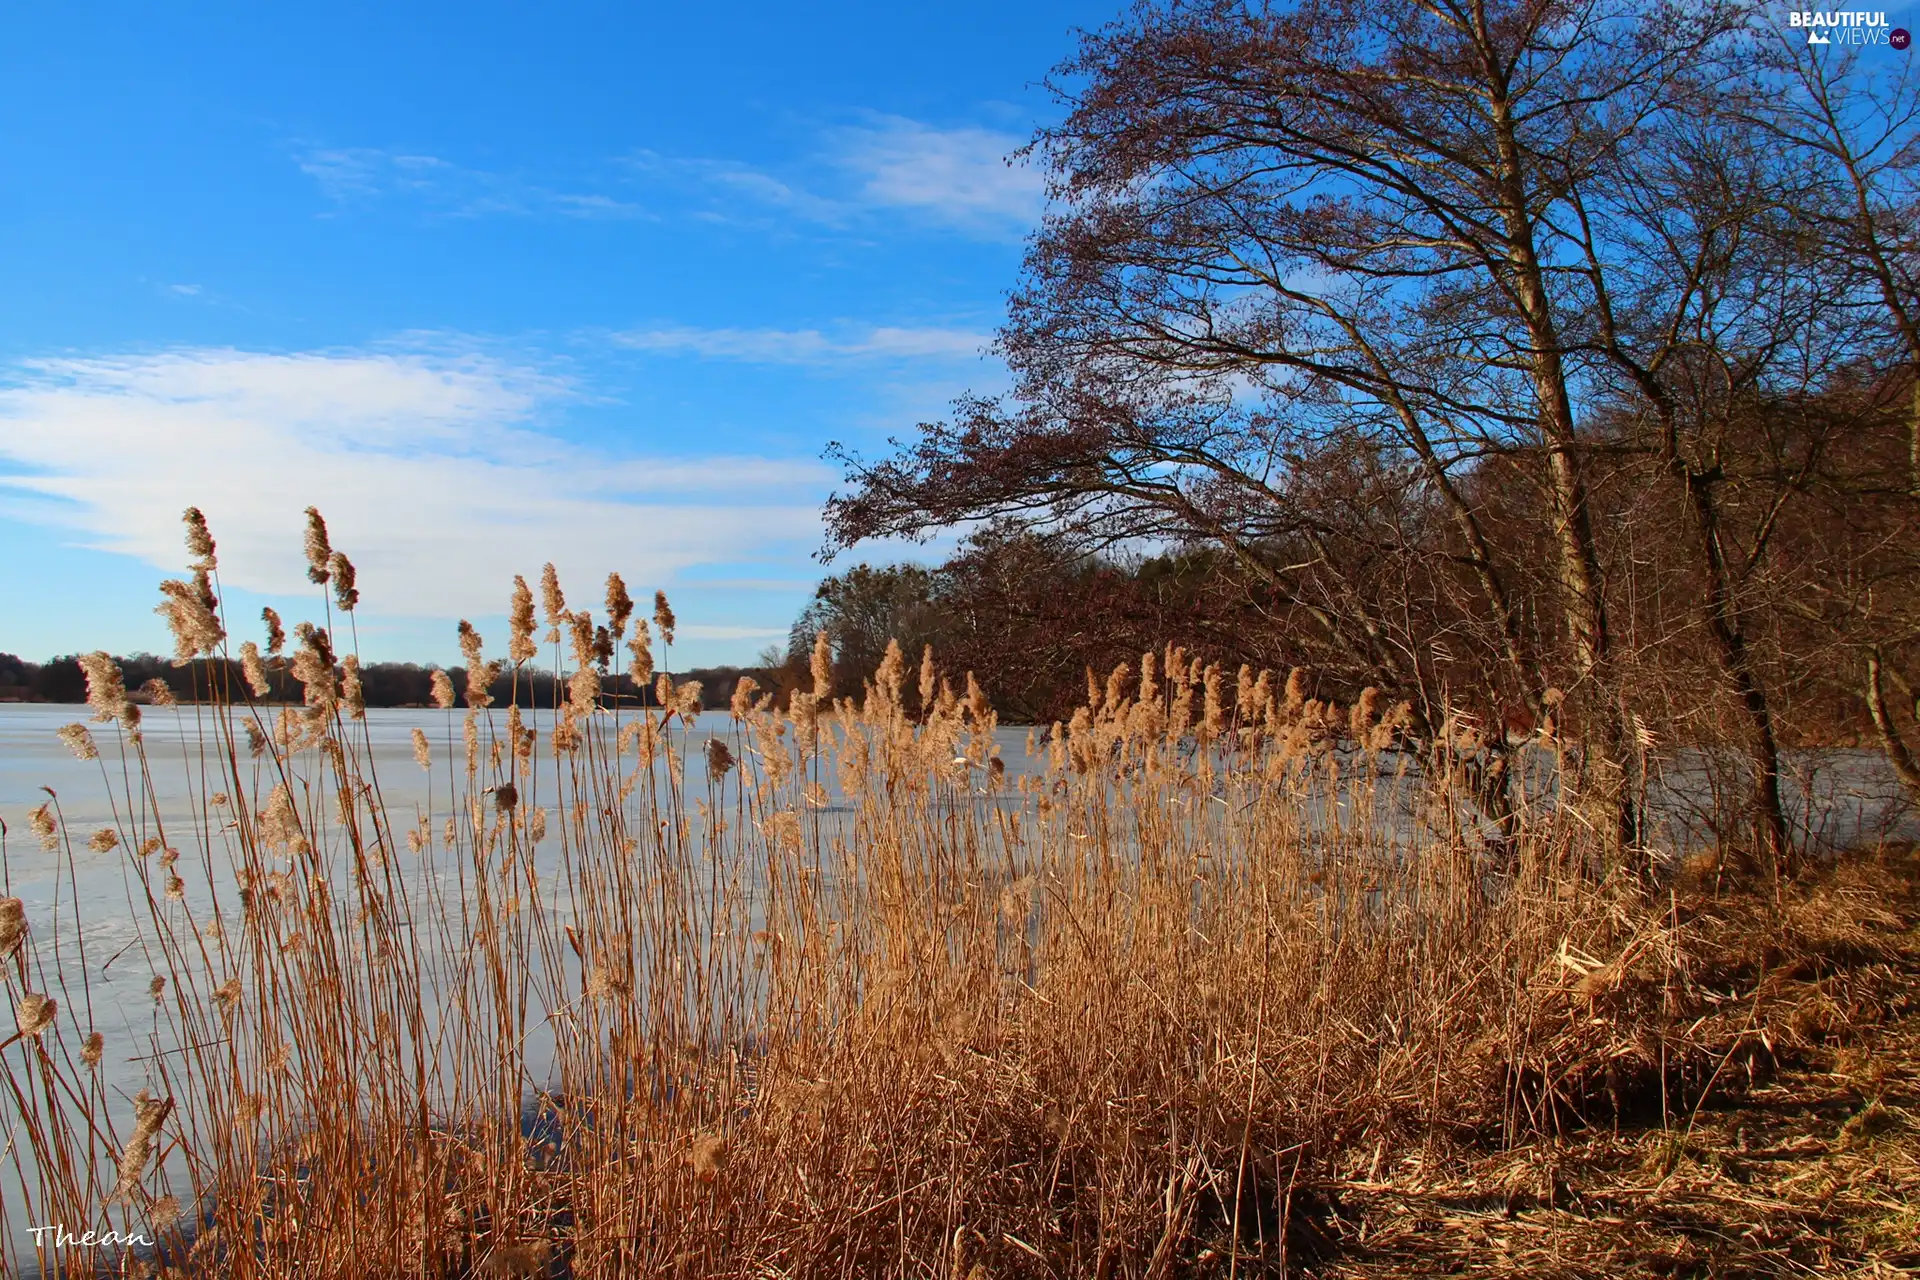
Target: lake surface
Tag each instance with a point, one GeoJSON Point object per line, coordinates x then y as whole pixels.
{"type": "Point", "coordinates": [1836, 798]}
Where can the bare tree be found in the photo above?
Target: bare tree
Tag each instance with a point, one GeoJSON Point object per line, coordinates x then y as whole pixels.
{"type": "Point", "coordinates": [1850, 120]}
{"type": "Point", "coordinates": [1293, 234]}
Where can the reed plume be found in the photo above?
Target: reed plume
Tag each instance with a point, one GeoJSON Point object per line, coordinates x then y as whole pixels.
{"type": "Point", "coordinates": [582, 691]}
{"type": "Point", "coordinates": [553, 601]}
{"type": "Point", "coordinates": [79, 741]}
{"type": "Point", "coordinates": [890, 677]}
{"type": "Point", "coordinates": [580, 632]}
{"type": "Point", "coordinates": [520, 646]}
{"type": "Point", "coordinates": [663, 618]}
{"type": "Point", "coordinates": [13, 919]}
{"type": "Point", "coordinates": [1363, 715]}
{"type": "Point", "coordinates": [345, 594]}
{"type": "Point", "coordinates": [199, 541]}
{"type": "Point", "coordinates": [35, 1014]}
{"type": "Point", "coordinates": [641, 649]}
{"type": "Point", "coordinates": [319, 551]}
{"type": "Point", "coordinates": [149, 1113]}
{"type": "Point", "coordinates": [1296, 693]}
{"type": "Point", "coordinates": [107, 689]}
{"type": "Point", "coordinates": [741, 704]}
{"type": "Point", "coordinates": [979, 709]}
{"type": "Point", "coordinates": [254, 669]}
{"type": "Point", "coordinates": [619, 605]}
{"type": "Point", "coordinates": [686, 699]}
{"type": "Point", "coordinates": [822, 666]}
{"type": "Point", "coordinates": [519, 735]}
{"type": "Point", "coordinates": [480, 672]}
{"type": "Point", "coordinates": [352, 696]}
{"type": "Point", "coordinates": [1213, 720]}
{"type": "Point", "coordinates": [190, 617]}
{"type": "Point", "coordinates": [41, 823]}
{"type": "Point", "coordinates": [719, 759]}
{"type": "Point", "coordinates": [313, 667]}
{"type": "Point", "coordinates": [583, 688]}
{"type": "Point", "coordinates": [708, 1156]}
{"type": "Point", "coordinates": [566, 736]}
{"type": "Point", "coordinates": [276, 634]}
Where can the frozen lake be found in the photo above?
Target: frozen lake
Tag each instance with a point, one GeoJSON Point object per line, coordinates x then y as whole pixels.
{"type": "Point", "coordinates": [1837, 798]}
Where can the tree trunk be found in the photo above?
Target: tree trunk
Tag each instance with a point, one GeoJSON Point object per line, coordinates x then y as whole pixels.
{"type": "Point", "coordinates": [1736, 660]}
{"type": "Point", "coordinates": [1583, 603]}
{"type": "Point", "coordinates": [1898, 755]}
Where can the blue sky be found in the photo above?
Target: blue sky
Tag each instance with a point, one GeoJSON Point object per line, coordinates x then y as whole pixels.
{"type": "Point", "coordinates": [491, 285]}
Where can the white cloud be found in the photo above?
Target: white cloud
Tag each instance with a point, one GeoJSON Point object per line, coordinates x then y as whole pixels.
{"type": "Point", "coordinates": [965, 177]}
{"type": "Point", "coordinates": [358, 175]}
{"type": "Point", "coordinates": [432, 471]}
{"type": "Point", "coordinates": [962, 179]}
{"type": "Point", "coordinates": [593, 206]}
{"type": "Point", "coordinates": [808, 346]}
{"type": "Point", "coordinates": [343, 172]}
{"type": "Point", "coordinates": [730, 187]}
{"type": "Point", "coordinates": [783, 585]}
{"type": "Point", "coordinates": [699, 631]}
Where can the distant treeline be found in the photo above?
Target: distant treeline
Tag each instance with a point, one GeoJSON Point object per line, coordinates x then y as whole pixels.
{"type": "Point", "coordinates": [385, 684]}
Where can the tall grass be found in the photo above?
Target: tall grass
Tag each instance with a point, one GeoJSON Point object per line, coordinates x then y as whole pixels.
{"type": "Point", "coordinates": [827, 989]}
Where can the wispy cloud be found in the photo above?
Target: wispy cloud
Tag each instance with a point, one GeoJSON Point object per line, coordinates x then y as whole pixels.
{"type": "Point", "coordinates": [729, 191]}
{"type": "Point", "coordinates": [435, 473]}
{"type": "Point", "coordinates": [700, 631]}
{"type": "Point", "coordinates": [854, 177]}
{"type": "Point", "coordinates": [860, 176]}
{"type": "Point", "coordinates": [965, 177]}
{"type": "Point", "coordinates": [809, 347]}
{"type": "Point", "coordinates": [188, 293]}
{"type": "Point", "coordinates": [350, 176]}
{"type": "Point", "coordinates": [785, 586]}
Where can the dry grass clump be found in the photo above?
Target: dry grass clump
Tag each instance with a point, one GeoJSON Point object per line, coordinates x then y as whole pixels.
{"type": "Point", "coordinates": [827, 989]}
{"type": "Point", "coordinates": [1808, 1165]}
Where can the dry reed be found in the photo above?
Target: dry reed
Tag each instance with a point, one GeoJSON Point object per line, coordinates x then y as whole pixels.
{"type": "Point", "coordinates": [853, 998]}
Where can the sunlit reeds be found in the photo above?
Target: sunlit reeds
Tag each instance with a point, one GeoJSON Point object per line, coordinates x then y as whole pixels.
{"type": "Point", "coordinates": [832, 986]}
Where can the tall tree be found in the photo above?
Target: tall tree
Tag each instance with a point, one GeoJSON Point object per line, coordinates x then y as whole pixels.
{"type": "Point", "coordinates": [1288, 234]}
{"type": "Point", "coordinates": [1850, 118]}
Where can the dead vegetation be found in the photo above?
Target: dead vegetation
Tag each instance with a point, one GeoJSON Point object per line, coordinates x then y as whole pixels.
{"type": "Point", "coordinates": [1216, 980]}
{"type": "Point", "coordinates": [1794, 1151]}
